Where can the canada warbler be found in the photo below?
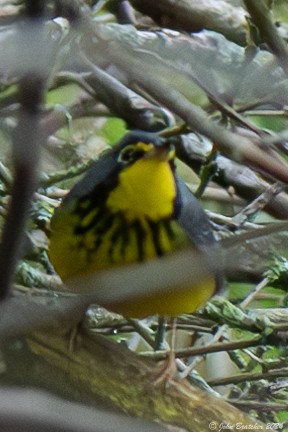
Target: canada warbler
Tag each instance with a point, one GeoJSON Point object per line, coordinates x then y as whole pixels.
{"type": "Point", "coordinates": [130, 207]}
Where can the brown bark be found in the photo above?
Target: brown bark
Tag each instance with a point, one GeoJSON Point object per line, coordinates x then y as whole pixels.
{"type": "Point", "coordinates": [103, 370]}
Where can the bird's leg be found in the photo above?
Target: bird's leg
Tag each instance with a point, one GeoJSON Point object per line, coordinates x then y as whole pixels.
{"type": "Point", "coordinates": [160, 343]}
{"type": "Point", "coordinates": [169, 370]}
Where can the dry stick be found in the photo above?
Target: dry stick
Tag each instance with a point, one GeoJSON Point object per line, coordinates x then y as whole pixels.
{"type": "Point", "coordinates": [258, 203]}
{"type": "Point", "coordinates": [188, 16]}
{"type": "Point", "coordinates": [253, 405]}
{"type": "Point", "coordinates": [261, 17]}
{"type": "Point", "coordinates": [213, 348]}
{"type": "Point", "coordinates": [124, 102]}
{"type": "Point", "coordinates": [251, 296]}
{"type": "Point", "coordinates": [239, 149]}
{"type": "Point", "coordinates": [249, 376]}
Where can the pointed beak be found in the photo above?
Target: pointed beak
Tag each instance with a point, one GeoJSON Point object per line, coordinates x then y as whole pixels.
{"type": "Point", "coordinates": [163, 152]}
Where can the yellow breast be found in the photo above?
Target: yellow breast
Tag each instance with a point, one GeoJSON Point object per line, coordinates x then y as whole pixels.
{"type": "Point", "coordinates": [146, 188]}
{"type": "Point", "coordinates": [174, 302]}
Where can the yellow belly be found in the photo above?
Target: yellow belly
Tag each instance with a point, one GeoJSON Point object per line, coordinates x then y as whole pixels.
{"type": "Point", "coordinates": [185, 300]}
{"type": "Point", "coordinates": [74, 256]}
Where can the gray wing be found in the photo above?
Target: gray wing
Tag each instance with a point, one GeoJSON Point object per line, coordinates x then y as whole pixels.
{"type": "Point", "coordinates": [193, 218]}
{"type": "Point", "coordinates": [197, 226]}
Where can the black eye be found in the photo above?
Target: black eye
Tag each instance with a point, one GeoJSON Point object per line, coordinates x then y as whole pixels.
{"type": "Point", "coordinates": [129, 154]}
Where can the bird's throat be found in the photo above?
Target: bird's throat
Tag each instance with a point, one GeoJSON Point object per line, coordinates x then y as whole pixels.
{"type": "Point", "coordinates": [145, 189]}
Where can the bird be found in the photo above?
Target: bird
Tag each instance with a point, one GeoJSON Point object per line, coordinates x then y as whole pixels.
{"type": "Point", "coordinates": [132, 207]}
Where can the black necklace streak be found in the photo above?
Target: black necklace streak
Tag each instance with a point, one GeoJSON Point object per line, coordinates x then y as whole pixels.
{"type": "Point", "coordinates": [118, 231]}
{"type": "Point", "coordinates": [119, 236]}
{"type": "Point", "coordinates": [140, 237]}
{"type": "Point", "coordinates": [155, 231]}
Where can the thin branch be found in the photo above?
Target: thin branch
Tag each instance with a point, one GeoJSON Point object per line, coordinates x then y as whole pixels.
{"type": "Point", "coordinates": [188, 16]}
{"type": "Point", "coordinates": [135, 109]}
{"type": "Point", "coordinates": [258, 203]}
{"type": "Point", "coordinates": [261, 406]}
{"type": "Point", "coordinates": [249, 376]}
{"type": "Point", "coordinates": [253, 294]}
{"type": "Point", "coordinates": [227, 142]}
{"type": "Point", "coordinates": [261, 16]}
{"type": "Point", "coordinates": [213, 348]}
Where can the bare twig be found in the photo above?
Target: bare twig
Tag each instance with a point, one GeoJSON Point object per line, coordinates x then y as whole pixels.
{"type": "Point", "coordinates": [258, 203]}
{"type": "Point", "coordinates": [220, 16]}
{"type": "Point", "coordinates": [212, 348]}
{"type": "Point", "coordinates": [250, 376]}
{"type": "Point", "coordinates": [252, 295]}
{"type": "Point", "coordinates": [261, 16]}
{"type": "Point", "coordinates": [227, 142]}
{"type": "Point", "coordinates": [136, 110]}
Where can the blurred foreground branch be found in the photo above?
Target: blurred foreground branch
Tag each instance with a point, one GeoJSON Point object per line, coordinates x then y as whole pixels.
{"type": "Point", "coordinates": [221, 16]}
{"type": "Point", "coordinates": [30, 410]}
{"type": "Point", "coordinates": [26, 146]}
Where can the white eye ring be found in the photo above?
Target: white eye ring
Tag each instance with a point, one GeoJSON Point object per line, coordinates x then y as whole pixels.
{"type": "Point", "coordinates": [127, 155]}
